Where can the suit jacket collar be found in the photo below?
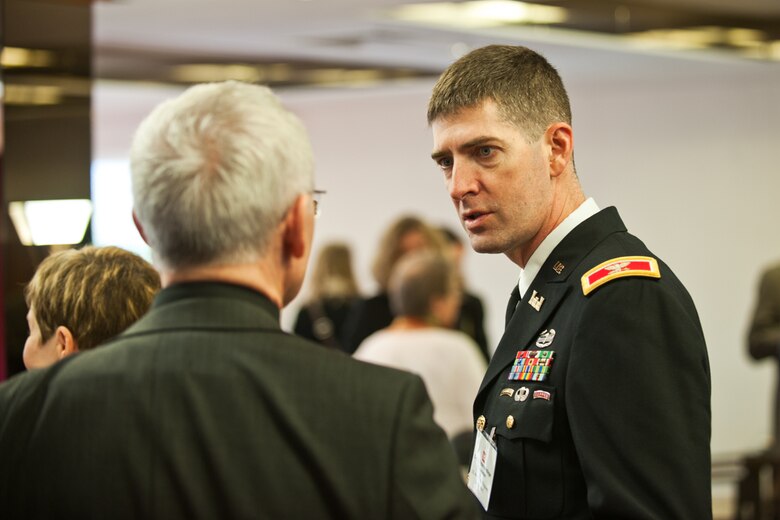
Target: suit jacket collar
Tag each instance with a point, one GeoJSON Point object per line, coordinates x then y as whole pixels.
{"type": "Point", "coordinates": [208, 305]}
{"type": "Point", "coordinates": [550, 284]}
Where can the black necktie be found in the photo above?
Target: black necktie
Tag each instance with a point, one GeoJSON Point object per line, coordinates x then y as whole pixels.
{"type": "Point", "coordinates": [514, 299]}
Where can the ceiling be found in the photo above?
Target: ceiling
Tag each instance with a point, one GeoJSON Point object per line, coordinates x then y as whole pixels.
{"type": "Point", "coordinates": [288, 43]}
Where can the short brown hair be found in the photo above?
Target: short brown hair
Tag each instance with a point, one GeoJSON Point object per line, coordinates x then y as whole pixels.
{"type": "Point", "coordinates": [528, 90]}
{"type": "Point", "coordinates": [417, 279]}
{"type": "Point", "coordinates": [96, 292]}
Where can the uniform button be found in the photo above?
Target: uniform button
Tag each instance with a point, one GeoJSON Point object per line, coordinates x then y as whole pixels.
{"type": "Point", "coordinates": [480, 423]}
{"type": "Point", "coordinates": [510, 422]}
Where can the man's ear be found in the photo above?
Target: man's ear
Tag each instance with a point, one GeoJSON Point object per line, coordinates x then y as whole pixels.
{"type": "Point", "coordinates": [294, 239]}
{"type": "Point", "coordinates": [139, 227]}
{"type": "Point", "coordinates": [66, 343]}
{"type": "Point", "coordinates": [560, 139]}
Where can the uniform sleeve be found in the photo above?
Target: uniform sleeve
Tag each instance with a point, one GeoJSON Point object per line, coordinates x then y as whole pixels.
{"type": "Point", "coordinates": [638, 401]}
{"type": "Point", "coordinates": [764, 335]}
{"type": "Point", "coordinates": [427, 482]}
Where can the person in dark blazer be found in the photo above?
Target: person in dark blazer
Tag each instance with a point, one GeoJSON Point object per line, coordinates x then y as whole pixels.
{"type": "Point", "coordinates": [764, 334]}
{"type": "Point", "coordinates": [596, 403]}
{"type": "Point", "coordinates": [205, 408]}
{"type": "Point", "coordinates": [332, 292]}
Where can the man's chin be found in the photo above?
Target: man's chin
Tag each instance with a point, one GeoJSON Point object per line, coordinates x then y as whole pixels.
{"type": "Point", "coordinates": [480, 245]}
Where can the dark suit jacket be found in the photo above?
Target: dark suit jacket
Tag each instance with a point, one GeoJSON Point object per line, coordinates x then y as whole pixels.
{"type": "Point", "coordinates": [621, 426]}
{"type": "Point", "coordinates": [764, 335]}
{"type": "Point", "coordinates": [366, 317]}
{"type": "Point", "coordinates": [471, 320]}
{"type": "Point", "coordinates": [206, 409]}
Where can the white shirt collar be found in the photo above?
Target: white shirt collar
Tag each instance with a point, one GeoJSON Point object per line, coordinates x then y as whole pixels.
{"type": "Point", "coordinates": [585, 210]}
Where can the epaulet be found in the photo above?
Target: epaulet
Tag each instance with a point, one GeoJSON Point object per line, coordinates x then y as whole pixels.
{"type": "Point", "coordinates": [618, 268]}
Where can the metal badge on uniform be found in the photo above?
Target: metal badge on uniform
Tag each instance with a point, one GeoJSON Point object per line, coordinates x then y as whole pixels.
{"type": "Point", "coordinates": [508, 392]}
{"type": "Point", "coordinates": [558, 267]}
{"type": "Point", "coordinates": [532, 365]}
{"type": "Point", "coordinates": [536, 300]}
{"type": "Point", "coordinates": [542, 394]}
{"type": "Point", "coordinates": [545, 339]}
{"type": "Point", "coordinates": [522, 394]}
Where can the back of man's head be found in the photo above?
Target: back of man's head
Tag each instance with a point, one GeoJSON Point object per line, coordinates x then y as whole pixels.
{"type": "Point", "coordinates": [96, 292]}
{"type": "Point", "coordinates": [214, 171]}
{"type": "Point", "coordinates": [418, 279]}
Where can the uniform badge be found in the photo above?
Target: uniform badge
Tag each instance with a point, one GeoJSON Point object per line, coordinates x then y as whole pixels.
{"type": "Point", "coordinates": [545, 339]}
{"type": "Point", "coordinates": [536, 301]}
{"type": "Point", "coordinates": [618, 268]}
{"type": "Point", "coordinates": [558, 267]}
{"type": "Point", "coordinates": [532, 365]}
{"type": "Point", "coordinates": [542, 394]}
{"type": "Point", "coordinates": [509, 392]}
{"type": "Point", "coordinates": [522, 394]}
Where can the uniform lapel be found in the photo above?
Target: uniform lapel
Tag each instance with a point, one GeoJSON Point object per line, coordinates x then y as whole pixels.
{"type": "Point", "coordinates": [524, 326]}
{"type": "Point", "coordinates": [550, 283]}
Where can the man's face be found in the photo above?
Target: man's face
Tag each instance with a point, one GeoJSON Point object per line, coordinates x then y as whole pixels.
{"type": "Point", "coordinates": [38, 353]}
{"type": "Point", "coordinates": [500, 185]}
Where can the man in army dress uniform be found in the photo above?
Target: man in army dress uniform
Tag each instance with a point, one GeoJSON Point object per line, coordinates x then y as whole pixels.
{"type": "Point", "coordinates": [596, 403]}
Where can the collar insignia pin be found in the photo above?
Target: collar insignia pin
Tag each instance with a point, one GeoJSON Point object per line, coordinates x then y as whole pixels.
{"type": "Point", "coordinates": [536, 301]}
{"type": "Point", "coordinates": [558, 267]}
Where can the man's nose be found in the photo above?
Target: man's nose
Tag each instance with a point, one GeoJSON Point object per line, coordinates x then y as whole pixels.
{"type": "Point", "coordinates": [463, 180]}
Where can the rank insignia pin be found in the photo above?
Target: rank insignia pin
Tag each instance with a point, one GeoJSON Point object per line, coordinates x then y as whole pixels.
{"type": "Point", "coordinates": [545, 339]}
{"type": "Point", "coordinates": [536, 301]}
{"type": "Point", "coordinates": [532, 365]}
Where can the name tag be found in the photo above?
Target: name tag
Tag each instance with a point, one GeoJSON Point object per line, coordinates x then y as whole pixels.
{"type": "Point", "coordinates": [483, 465]}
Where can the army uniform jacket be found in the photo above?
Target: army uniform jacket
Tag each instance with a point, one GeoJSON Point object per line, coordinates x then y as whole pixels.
{"type": "Point", "coordinates": [620, 425]}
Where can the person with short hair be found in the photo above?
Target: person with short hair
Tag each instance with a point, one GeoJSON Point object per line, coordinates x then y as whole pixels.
{"type": "Point", "coordinates": [205, 407]}
{"type": "Point", "coordinates": [596, 402]}
{"type": "Point", "coordinates": [425, 293]}
{"type": "Point", "coordinates": [80, 298]}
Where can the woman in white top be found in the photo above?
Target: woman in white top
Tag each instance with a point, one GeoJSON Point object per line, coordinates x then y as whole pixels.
{"type": "Point", "coordinates": [425, 297]}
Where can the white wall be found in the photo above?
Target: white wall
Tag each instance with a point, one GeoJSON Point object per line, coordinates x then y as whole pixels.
{"type": "Point", "coordinates": [685, 150]}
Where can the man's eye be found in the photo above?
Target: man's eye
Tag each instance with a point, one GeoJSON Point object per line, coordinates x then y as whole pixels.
{"type": "Point", "coordinates": [445, 163]}
{"type": "Point", "coordinates": [485, 151]}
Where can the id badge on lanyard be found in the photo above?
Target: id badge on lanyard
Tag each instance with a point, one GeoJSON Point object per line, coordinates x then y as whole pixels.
{"type": "Point", "coordinates": [483, 465]}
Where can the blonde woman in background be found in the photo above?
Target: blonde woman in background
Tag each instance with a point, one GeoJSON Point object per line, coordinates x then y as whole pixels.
{"type": "Point", "coordinates": [333, 291]}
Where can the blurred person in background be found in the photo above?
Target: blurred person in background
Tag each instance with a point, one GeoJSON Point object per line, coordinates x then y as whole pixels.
{"type": "Point", "coordinates": [407, 233]}
{"type": "Point", "coordinates": [764, 334]}
{"type": "Point", "coordinates": [425, 294]}
{"type": "Point", "coordinates": [80, 298]}
{"type": "Point", "coordinates": [332, 292]}
{"type": "Point", "coordinates": [471, 316]}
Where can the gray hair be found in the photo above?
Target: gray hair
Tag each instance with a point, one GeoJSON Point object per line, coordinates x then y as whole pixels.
{"type": "Point", "coordinates": [418, 278]}
{"type": "Point", "coordinates": [214, 171]}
